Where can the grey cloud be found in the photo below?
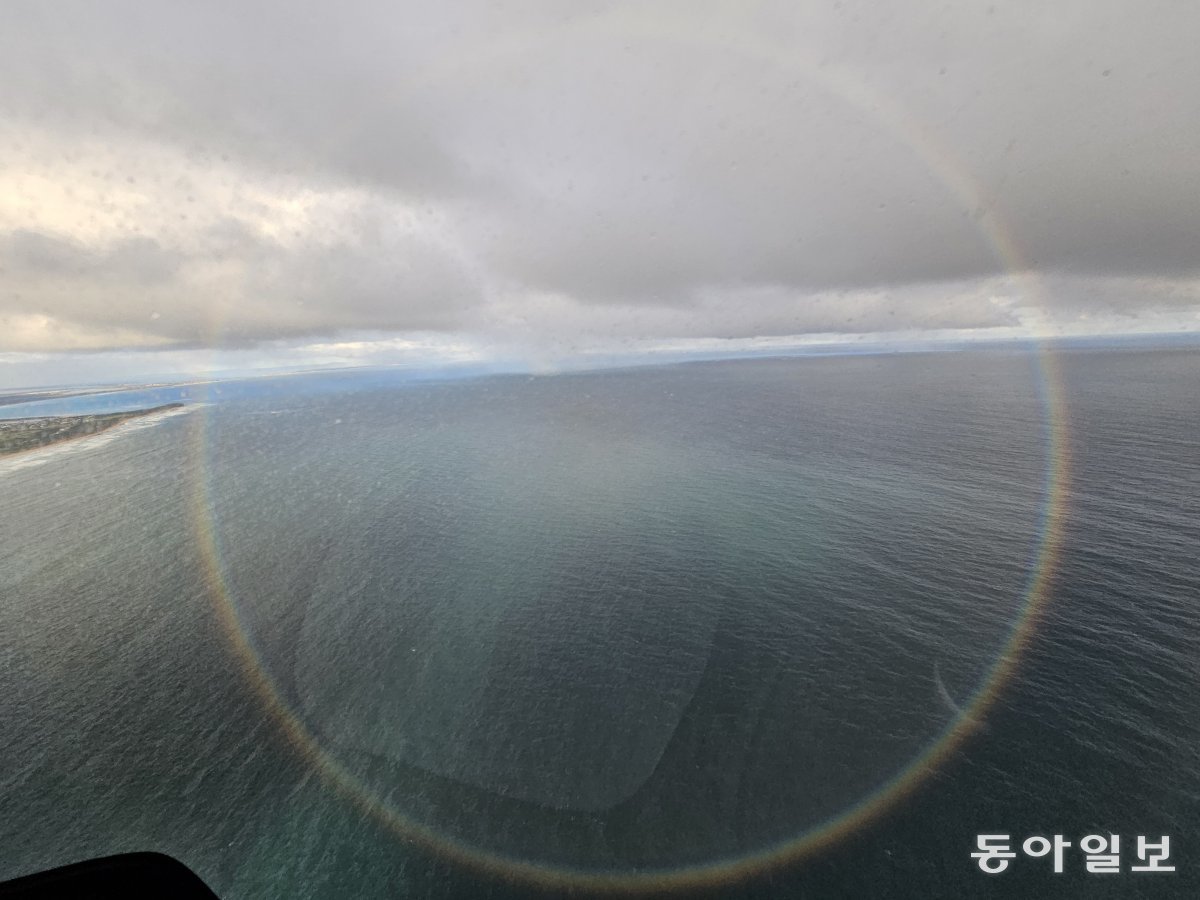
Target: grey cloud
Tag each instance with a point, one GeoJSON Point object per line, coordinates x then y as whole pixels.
{"type": "Point", "coordinates": [134, 260]}
{"type": "Point", "coordinates": [310, 89]}
{"type": "Point", "coordinates": [25, 250]}
{"type": "Point", "coordinates": [774, 310]}
{"type": "Point", "coordinates": [261, 290]}
{"type": "Point", "coordinates": [680, 169]}
{"type": "Point", "coordinates": [1067, 295]}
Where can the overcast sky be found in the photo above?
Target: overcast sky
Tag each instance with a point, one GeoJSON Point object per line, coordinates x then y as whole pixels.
{"type": "Point", "coordinates": [326, 183]}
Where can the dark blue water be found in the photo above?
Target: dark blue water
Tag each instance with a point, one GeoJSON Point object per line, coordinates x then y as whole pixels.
{"type": "Point", "coordinates": [611, 622]}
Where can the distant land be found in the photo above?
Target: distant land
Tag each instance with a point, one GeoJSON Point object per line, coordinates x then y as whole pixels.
{"type": "Point", "coordinates": [33, 396]}
{"type": "Point", "coordinates": [17, 435]}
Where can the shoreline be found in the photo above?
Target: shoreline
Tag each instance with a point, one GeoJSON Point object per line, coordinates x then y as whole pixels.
{"type": "Point", "coordinates": [21, 436]}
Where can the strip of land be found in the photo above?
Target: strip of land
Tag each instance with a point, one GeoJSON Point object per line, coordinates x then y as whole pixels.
{"type": "Point", "coordinates": [17, 435]}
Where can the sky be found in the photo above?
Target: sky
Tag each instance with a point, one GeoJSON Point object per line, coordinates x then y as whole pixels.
{"type": "Point", "coordinates": [191, 187]}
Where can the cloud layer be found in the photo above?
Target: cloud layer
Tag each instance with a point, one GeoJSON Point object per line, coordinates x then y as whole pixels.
{"type": "Point", "coordinates": [547, 174]}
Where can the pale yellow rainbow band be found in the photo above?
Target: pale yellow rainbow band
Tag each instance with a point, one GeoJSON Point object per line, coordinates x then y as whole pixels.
{"type": "Point", "coordinates": [719, 871]}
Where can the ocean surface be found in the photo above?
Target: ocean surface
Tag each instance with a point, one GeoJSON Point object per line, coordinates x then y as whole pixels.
{"type": "Point", "coordinates": [752, 628]}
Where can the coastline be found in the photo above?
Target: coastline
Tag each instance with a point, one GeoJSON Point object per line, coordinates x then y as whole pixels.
{"type": "Point", "coordinates": [21, 436]}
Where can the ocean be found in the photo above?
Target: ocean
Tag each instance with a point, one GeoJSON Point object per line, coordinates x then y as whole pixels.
{"type": "Point", "coordinates": [794, 627]}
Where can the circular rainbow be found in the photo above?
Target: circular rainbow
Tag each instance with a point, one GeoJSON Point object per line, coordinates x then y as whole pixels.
{"type": "Point", "coordinates": [943, 165]}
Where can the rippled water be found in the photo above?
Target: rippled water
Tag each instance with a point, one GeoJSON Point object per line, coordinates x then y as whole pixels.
{"type": "Point", "coordinates": [607, 622]}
